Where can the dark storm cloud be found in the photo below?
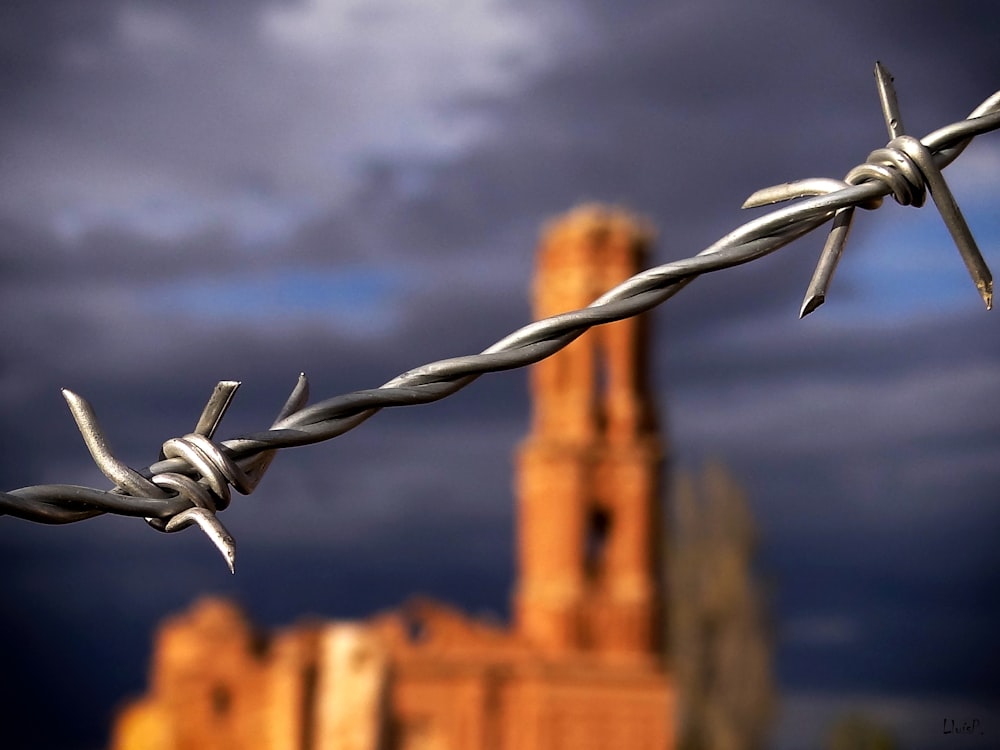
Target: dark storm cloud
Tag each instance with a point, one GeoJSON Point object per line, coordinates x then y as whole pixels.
{"type": "Point", "coordinates": [165, 146]}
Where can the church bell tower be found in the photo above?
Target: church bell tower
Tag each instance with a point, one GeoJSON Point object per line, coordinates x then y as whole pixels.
{"type": "Point", "coordinates": [588, 474]}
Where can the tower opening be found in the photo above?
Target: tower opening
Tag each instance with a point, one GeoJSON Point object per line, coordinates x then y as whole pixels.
{"type": "Point", "coordinates": [595, 543]}
{"type": "Point", "coordinates": [222, 700]}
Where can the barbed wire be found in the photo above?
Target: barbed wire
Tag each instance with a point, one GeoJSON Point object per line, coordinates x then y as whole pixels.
{"type": "Point", "coordinates": [193, 477]}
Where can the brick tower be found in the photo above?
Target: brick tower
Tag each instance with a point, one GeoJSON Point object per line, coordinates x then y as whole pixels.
{"type": "Point", "coordinates": [588, 474]}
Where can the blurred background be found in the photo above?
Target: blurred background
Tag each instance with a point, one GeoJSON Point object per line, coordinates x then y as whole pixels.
{"type": "Point", "coordinates": [244, 190]}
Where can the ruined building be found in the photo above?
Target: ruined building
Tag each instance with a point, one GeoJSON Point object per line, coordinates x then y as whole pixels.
{"type": "Point", "coordinates": [582, 665]}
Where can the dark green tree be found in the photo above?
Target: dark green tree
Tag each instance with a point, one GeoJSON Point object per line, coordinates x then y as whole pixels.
{"type": "Point", "coordinates": [856, 732]}
{"type": "Point", "coordinates": [720, 634]}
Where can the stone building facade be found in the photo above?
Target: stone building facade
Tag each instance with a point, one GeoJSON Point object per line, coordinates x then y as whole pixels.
{"type": "Point", "coordinates": [582, 666]}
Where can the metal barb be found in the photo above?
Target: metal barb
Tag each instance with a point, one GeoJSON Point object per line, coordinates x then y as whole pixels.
{"type": "Point", "coordinates": [952, 215]}
{"type": "Point", "coordinates": [787, 191]}
{"type": "Point", "coordinates": [887, 96]}
{"type": "Point", "coordinates": [836, 241]}
{"type": "Point", "coordinates": [202, 514]}
{"type": "Point", "coordinates": [907, 167]}
{"type": "Point", "coordinates": [207, 521]}
{"type": "Point", "coordinates": [828, 260]}
{"type": "Point", "coordinates": [295, 402]}
{"type": "Point", "coordinates": [216, 407]}
{"type": "Point", "coordinates": [217, 470]}
{"type": "Point", "coordinates": [124, 477]}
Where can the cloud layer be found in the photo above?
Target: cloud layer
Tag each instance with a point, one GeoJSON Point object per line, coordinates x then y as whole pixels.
{"type": "Point", "coordinates": [194, 192]}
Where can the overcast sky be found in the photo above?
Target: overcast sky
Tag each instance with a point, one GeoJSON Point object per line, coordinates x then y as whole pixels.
{"type": "Point", "coordinates": [197, 191]}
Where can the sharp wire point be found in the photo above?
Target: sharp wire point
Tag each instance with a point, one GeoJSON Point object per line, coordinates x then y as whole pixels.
{"type": "Point", "coordinates": [119, 473]}
{"type": "Point", "coordinates": [887, 97]}
{"type": "Point", "coordinates": [297, 399]}
{"type": "Point", "coordinates": [209, 523]}
{"type": "Point", "coordinates": [215, 408]}
{"type": "Point", "coordinates": [787, 191]}
{"type": "Point", "coordinates": [810, 303]}
{"type": "Point", "coordinates": [829, 258]}
{"type": "Point", "coordinates": [951, 214]}
{"type": "Point", "coordinates": [764, 197]}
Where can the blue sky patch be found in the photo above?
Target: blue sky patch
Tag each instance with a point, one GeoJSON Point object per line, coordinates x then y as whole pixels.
{"type": "Point", "coordinates": [907, 266]}
{"type": "Point", "coordinates": [359, 298]}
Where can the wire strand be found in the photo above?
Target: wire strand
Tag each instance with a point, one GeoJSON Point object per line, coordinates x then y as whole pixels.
{"type": "Point", "coordinates": [241, 461]}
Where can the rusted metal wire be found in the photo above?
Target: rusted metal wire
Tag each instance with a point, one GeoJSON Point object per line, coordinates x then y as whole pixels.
{"type": "Point", "coordinates": [192, 480]}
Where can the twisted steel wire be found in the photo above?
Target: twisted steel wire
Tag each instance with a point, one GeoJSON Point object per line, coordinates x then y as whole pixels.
{"type": "Point", "coordinates": [191, 481]}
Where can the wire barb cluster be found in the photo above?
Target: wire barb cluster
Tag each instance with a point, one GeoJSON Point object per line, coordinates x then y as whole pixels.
{"type": "Point", "coordinates": [192, 480]}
